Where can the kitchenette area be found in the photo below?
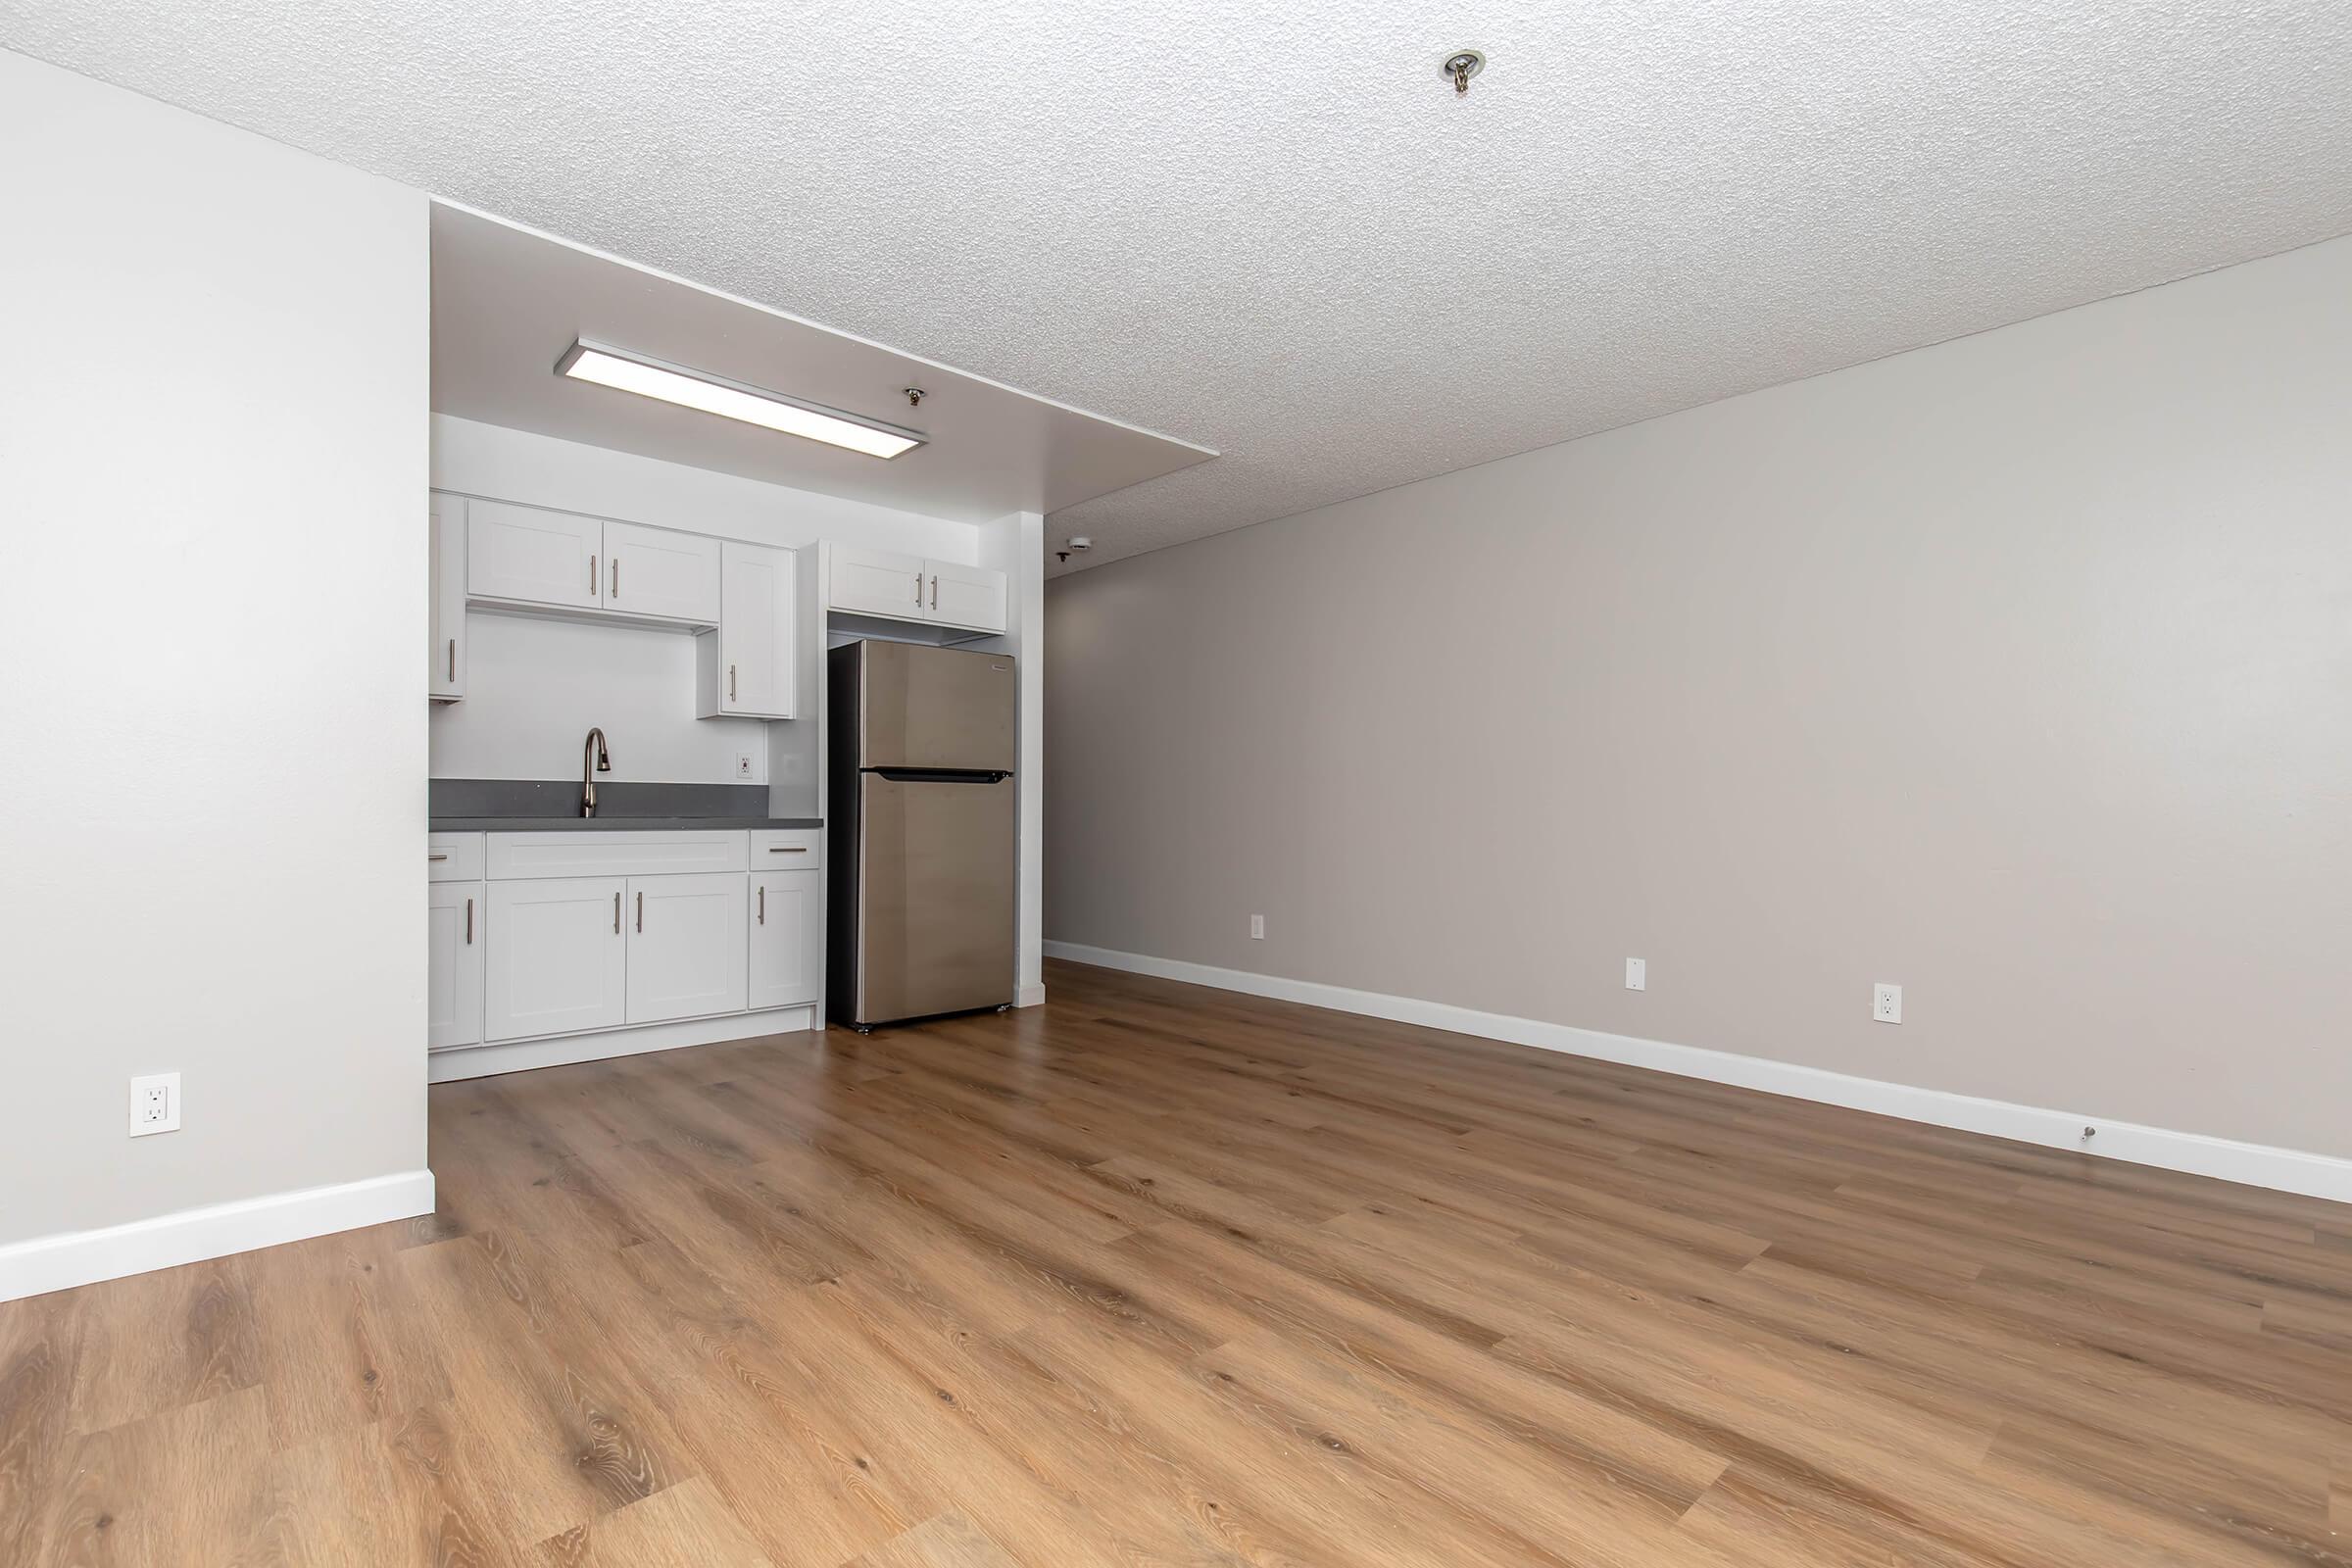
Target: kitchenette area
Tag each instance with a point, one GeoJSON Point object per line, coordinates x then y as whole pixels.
{"type": "Point", "coordinates": [732, 653]}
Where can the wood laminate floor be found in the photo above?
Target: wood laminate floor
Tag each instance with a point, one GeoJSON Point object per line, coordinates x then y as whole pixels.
{"type": "Point", "coordinates": [1157, 1274]}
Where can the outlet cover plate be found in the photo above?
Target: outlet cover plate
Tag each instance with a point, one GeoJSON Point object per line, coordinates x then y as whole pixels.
{"type": "Point", "coordinates": [1637, 974]}
{"type": "Point", "coordinates": [1886, 1002]}
{"type": "Point", "coordinates": [155, 1105]}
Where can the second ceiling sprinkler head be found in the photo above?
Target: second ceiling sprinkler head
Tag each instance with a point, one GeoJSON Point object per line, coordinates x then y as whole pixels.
{"type": "Point", "coordinates": [1459, 67]}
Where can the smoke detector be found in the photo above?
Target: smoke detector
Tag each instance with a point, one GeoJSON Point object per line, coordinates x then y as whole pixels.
{"type": "Point", "coordinates": [1074, 543]}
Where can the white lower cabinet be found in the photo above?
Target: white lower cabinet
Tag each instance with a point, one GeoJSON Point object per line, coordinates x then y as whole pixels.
{"type": "Point", "coordinates": [686, 945]}
{"type": "Point", "coordinates": [632, 927]}
{"type": "Point", "coordinates": [788, 937]}
{"type": "Point", "coordinates": [455, 933]}
{"type": "Point", "coordinates": [559, 963]}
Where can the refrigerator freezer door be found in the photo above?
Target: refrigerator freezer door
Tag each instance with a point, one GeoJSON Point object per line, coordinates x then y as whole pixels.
{"type": "Point", "coordinates": [934, 707]}
{"type": "Point", "coordinates": [935, 895]}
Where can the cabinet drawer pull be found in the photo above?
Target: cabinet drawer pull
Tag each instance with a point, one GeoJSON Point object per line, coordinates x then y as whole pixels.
{"type": "Point", "coordinates": [453, 660]}
{"type": "Point", "coordinates": [436, 856]}
{"type": "Point", "coordinates": [470, 923]}
{"type": "Point", "coordinates": [788, 849]}
{"type": "Point", "coordinates": [616, 914]}
{"type": "Point", "coordinates": [615, 570]}
{"type": "Point", "coordinates": [763, 903]}
{"type": "Point", "coordinates": [640, 911]}
{"type": "Point", "coordinates": [593, 583]}
{"type": "Point", "coordinates": [730, 683]}
{"type": "Point", "coordinates": [935, 592]}
{"type": "Point", "coordinates": [918, 590]}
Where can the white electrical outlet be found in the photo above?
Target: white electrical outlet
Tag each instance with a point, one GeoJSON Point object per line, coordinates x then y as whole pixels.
{"type": "Point", "coordinates": [1886, 1002]}
{"type": "Point", "coordinates": [1637, 974]}
{"type": "Point", "coordinates": [743, 764]}
{"type": "Point", "coordinates": [155, 1105]}
{"type": "Point", "coordinates": [1257, 927]}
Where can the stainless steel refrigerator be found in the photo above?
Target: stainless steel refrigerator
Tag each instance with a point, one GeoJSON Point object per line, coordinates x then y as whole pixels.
{"type": "Point", "coordinates": [921, 852]}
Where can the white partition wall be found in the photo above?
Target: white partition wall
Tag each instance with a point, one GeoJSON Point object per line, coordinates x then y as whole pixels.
{"type": "Point", "coordinates": [213, 459]}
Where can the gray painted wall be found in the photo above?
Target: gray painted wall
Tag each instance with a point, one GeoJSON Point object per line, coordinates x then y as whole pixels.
{"type": "Point", "coordinates": [2015, 670]}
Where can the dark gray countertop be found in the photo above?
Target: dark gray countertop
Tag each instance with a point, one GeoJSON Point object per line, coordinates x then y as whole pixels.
{"type": "Point", "coordinates": [614, 824]}
{"type": "Point", "coordinates": [552, 806]}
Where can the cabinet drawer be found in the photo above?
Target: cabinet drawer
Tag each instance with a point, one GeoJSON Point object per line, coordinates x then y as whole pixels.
{"type": "Point", "coordinates": [787, 849]}
{"type": "Point", "coordinates": [453, 856]}
{"type": "Point", "coordinates": [651, 853]}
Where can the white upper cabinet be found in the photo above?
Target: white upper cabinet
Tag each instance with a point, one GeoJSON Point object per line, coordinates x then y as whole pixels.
{"type": "Point", "coordinates": [531, 556]}
{"type": "Point", "coordinates": [653, 571]}
{"type": "Point", "coordinates": [445, 644]}
{"type": "Point", "coordinates": [875, 582]}
{"type": "Point", "coordinates": [751, 668]}
{"type": "Point", "coordinates": [966, 595]}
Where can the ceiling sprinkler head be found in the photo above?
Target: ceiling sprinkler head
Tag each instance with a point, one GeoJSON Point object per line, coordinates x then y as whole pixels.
{"type": "Point", "coordinates": [1459, 67]}
{"type": "Point", "coordinates": [915, 396]}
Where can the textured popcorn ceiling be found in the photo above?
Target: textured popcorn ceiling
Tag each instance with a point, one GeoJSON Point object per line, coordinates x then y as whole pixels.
{"type": "Point", "coordinates": [1275, 232]}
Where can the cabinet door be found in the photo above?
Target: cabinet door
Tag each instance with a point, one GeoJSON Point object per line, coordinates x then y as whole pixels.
{"type": "Point", "coordinates": [874, 582]}
{"type": "Point", "coordinates": [788, 937]}
{"type": "Point", "coordinates": [445, 646]}
{"type": "Point", "coordinates": [756, 672]}
{"type": "Point", "coordinates": [454, 948]}
{"type": "Point", "coordinates": [652, 571]}
{"type": "Point", "coordinates": [534, 555]}
{"type": "Point", "coordinates": [965, 596]}
{"type": "Point", "coordinates": [558, 957]}
{"type": "Point", "coordinates": [686, 945]}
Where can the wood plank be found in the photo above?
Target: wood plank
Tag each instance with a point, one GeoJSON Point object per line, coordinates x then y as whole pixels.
{"type": "Point", "coordinates": [1162, 1275]}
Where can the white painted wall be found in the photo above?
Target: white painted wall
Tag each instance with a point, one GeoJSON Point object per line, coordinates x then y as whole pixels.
{"type": "Point", "coordinates": [212, 456]}
{"type": "Point", "coordinates": [2015, 670]}
{"type": "Point", "coordinates": [534, 686]}
{"type": "Point", "coordinates": [1015, 545]}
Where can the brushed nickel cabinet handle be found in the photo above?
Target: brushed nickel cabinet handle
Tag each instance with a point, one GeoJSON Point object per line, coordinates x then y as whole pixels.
{"type": "Point", "coordinates": [730, 683]}
{"type": "Point", "coordinates": [592, 579]}
{"type": "Point", "coordinates": [918, 590]}
{"type": "Point", "coordinates": [935, 592]}
{"type": "Point", "coordinates": [640, 911]}
{"type": "Point", "coordinates": [788, 849]}
{"type": "Point", "coordinates": [453, 660]}
{"type": "Point", "coordinates": [614, 571]}
{"type": "Point", "coordinates": [470, 923]}
{"type": "Point", "coordinates": [617, 914]}
{"type": "Point", "coordinates": [436, 856]}
{"type": "Point", "coordinates": [763, 903]}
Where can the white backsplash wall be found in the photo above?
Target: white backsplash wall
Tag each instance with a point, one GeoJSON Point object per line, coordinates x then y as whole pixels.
{"type": "Point", "coordinates": [534, 687]}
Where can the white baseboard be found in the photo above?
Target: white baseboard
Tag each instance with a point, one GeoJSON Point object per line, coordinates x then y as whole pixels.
{"type": "Point", "coordinates": [1029, 997]}
{"type": "Point", "coordinates": [520, 1055]}
{"type": "Point", "coordinates": [2286, 1170]}
{"type": "Point", "coordinates": [83, 1258]}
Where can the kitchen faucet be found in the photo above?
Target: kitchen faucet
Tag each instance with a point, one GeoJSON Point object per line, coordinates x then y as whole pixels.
{"type": "Point", "coordinates": [594, 759]}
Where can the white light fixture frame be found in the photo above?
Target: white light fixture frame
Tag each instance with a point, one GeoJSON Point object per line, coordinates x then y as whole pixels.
{"type": "Point", "coordinates": [625, 370]}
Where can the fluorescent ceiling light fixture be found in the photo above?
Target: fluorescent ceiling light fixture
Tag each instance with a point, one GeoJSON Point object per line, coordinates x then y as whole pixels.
{"type": "Point", "coordinates": [732, 400]}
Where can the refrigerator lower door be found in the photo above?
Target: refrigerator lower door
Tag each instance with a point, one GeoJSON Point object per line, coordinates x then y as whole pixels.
{"type": "Point", "coordinates": [935, 895]}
